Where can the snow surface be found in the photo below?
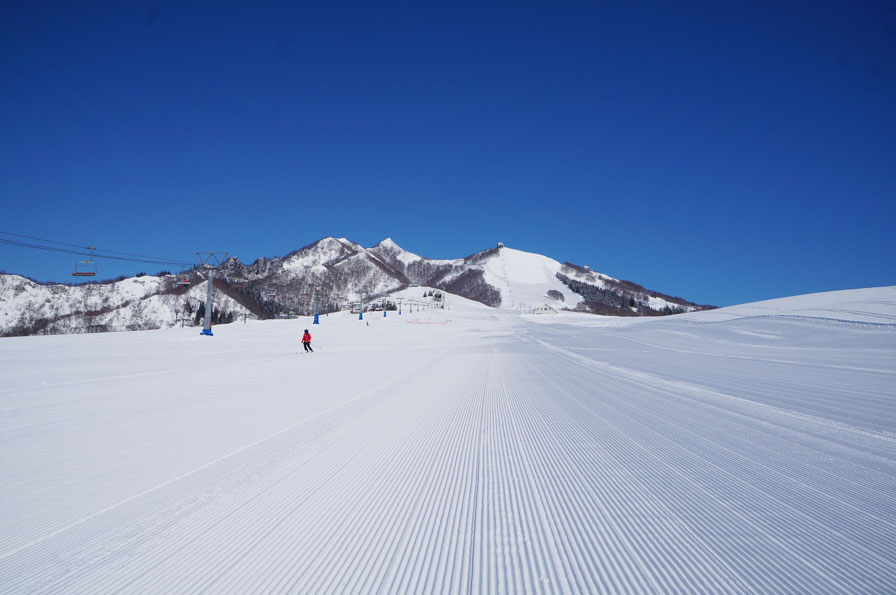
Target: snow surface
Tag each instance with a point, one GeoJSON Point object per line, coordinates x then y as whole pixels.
{"type": "Point", "coordinates": [469, 450]}
{"type": "Point", "coordinates": [325, 251]}
{"type": "Point", "coordinates": [406, 257]}
{"type": "Point", "coordinates": [126, 304]}
{"type": "Point", "coordinates": [399, 252]}
{"type": "Point", "coordinates": [524, 279]}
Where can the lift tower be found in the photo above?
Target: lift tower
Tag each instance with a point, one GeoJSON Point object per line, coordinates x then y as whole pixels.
{"type": "Point", "coordinates": [316, 287]}
{"type": "Point", "coordinates": [210, 261]}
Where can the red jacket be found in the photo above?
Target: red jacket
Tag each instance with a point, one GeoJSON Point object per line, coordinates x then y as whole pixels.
{"type": "Point", "coordinates": [306, 338]}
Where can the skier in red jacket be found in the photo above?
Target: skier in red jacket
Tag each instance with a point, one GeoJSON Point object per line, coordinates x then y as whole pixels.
{"type": "Point", "coordinates": [306, 341]}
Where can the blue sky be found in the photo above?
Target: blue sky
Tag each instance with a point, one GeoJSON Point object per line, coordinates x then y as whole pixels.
{"type": "Point", "coordinates": [723, 152]}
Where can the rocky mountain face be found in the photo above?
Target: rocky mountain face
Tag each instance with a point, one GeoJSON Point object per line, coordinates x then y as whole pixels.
{"type": "Point", "coordinates": [335, 270]}
{"type": "Point", "coordinates": [330, 272]}
{"type": "Point", "coordinates": [611, 297]}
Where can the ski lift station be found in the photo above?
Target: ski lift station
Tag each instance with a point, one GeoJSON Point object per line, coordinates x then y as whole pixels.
{"type": "Point", "coordinates": [439, 300]}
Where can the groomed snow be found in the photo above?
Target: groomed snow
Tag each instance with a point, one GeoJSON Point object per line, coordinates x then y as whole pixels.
{"type": "Point", "coordinates": [470, 450]}
{"type": "Point", "coordinates": [524, 279]}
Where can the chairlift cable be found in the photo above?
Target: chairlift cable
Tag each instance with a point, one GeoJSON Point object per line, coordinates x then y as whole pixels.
{"type": "Point", "coordinates": [81, 252]}
{"type": "Point", "coordinates": [18, 235]}
{"type": "Point", "coordinates": [161, 260]}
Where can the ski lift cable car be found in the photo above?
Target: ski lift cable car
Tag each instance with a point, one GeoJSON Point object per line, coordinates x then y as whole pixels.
{"type": "Point", "coordinates": [85, 268]}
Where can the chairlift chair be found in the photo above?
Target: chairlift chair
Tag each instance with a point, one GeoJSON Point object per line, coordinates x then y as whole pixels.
{"type": "Point", "coordinates": [85, 268]}
{"type": "Point", "coordinates": [182, 278]}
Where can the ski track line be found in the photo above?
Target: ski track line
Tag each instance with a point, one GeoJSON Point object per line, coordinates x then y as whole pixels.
{"type": "Point", "coordinates": [200, 406]}
{"type": "Point", "coordinates": [637, 489]}
{"type": "Point", "coordinates": [132, 399]}
{"type": "Point", "coordinates": [663, 564]}
{"type": "Point", "coordinates": [745, 405]}
{"type": "Point", "coordinates": [453, 482]}
{"type": "Point", "coordinates": [783, 451]}
{"type": "Point", "coordinates": [37, 505]}
{"type": "Point", "coordinates": [136, 375]}
{"type": "Point", "coordinates": [872, 553]}
{"type": "Point", "coordinates": [560, 526]}
{"type": "Point", "coordinates": [515, 466]}
{"type": "Point", "coordinates": [618, 453]}
{"type": "Point", "coordinates": [218, 538]}
{"type": "Point", "coordinates": [772, 430]}
{"type": "Point", "coordinates": [36, 541]}
{"type": "Point", "coordinates": [657, 364]}
{"type": "Point", "coordinates": [757, 392]}
{"type": "Point", "coordinates": [870, 527]}
{"type": "Point", "coordinates": [392, 381]}
{"type": "Point", "coordinates": [223, 538]}
{"type": "Point", "coordinates": [343, 519]}
{"type": "Point", "coordinates": [873, 405]}
{"type": "Point", "coordinates": [129, 401]}
{"type": "Point", "coordinates": [212, 520]}
{"type": "Point", "coordinates": [423, 506]}
{"type": "Point", "coordinates": [802, 364]}
{"type": "Point", "coordinates": [212, 576]}
{"type": "Point", "coordinates": [663, 570]}
{"type": "Point", "coordinates": [371, 517]}
{"type": "Point", "coordinates": [658, 382]}
{"type": "Point", "coordinates": [511, 575]}
{"type": "Point", "coordinates": [399, 476]}
{"type": "Point", "coordinates": [729, 412]}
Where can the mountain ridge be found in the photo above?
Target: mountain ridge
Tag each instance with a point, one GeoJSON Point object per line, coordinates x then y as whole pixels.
{"type": "Point", "coordinates": [332, 272]}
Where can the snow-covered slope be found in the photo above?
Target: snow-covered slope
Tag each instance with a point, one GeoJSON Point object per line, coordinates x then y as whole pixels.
{"type": "Point", "coordinates": [464, 450]}
{"type": "Point", "coordinates": [138, 303]}
{"type": "Point", "coordinates": [327, 273]}
{"type": "Point", "coordinates": [395, 252]}
{"type": "Point", "coordinates": [524, 279]}
{"type": "Point", "coordinates": [326, 251]}
{"type": "Point", "coordinates": [872, 305]}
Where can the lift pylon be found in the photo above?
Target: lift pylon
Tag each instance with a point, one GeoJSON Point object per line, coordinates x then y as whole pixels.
{"type": "Point", "coordinates": [210, 261]}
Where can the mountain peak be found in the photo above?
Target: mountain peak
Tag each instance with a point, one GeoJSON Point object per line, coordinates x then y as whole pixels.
{"type": "Point", "coordinates": [498, 276]}
{"type": "Point", "coordinates": [394, 253]}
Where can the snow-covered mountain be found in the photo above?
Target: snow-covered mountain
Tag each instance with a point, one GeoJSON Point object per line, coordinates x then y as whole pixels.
{"type": "Point", "coordinates": [137, 303]}
{"type": "Point", "coordinates": [332, 271]}
{"type": "Point", "coordinates": [498, 277]}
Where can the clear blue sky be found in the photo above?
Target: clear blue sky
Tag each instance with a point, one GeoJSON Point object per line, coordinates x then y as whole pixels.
{"type": "Point", "coordinates": [724, 152]}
